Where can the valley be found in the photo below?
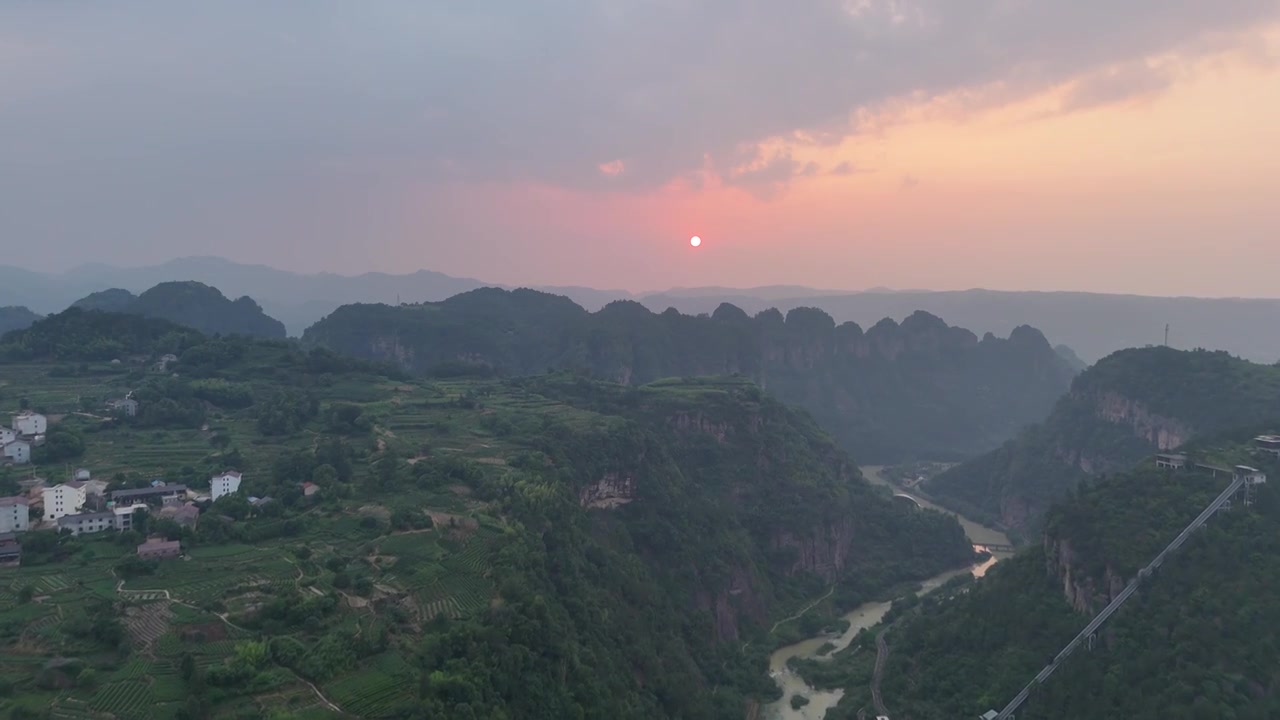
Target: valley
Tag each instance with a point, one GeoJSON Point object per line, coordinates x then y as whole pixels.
{"type": "Point", "coordinates": [865, 616]}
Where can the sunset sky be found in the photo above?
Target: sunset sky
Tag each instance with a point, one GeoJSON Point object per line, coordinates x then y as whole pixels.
{"type": "Point", "coordinates": [1111, 146]}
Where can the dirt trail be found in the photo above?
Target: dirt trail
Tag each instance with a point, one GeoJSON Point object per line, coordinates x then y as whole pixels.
{"type": "Point", "coordinates": [806, 609]}
{"type": "Point", "coordinates": [223, 617]}
{"type": "Point", "coordinates": [882, 656]}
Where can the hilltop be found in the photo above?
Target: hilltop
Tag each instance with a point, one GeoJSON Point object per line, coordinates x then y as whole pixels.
{"type": "Point", "coordinates": [919, 388]}
{"type": "Point", "coordinates": [192, 304]}
{"type": "Point", "coordinates": [1196, 641]}
{"type": "Point", "coordinates": [16, 318]}
{"type": "Point", "coordinates": [1092, 324]}
{"type": "Point", "coordinates": [549, 546]}
{"type": "Point", "coordinates": [1122, 409]}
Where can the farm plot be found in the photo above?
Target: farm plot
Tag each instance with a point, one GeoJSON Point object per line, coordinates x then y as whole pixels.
{"type": "Point", "coordinates": [147, 623]}
{"type": "Point", "coordinates": [371, 693]}
{"type": "Point", "coordinates": [131, 699]}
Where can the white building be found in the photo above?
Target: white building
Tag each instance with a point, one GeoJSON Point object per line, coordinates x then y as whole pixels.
{"type": "Point", "coordinates": [7, 436]}
{"type": "Point", "coordinates": [64, 499]}
{"type": "Point", "coordinates": [124, 515]}
{"type": "Point", "coordinates": [224, 484]}
{"type": "Point", "coordinates": [14, 515]}
{"type": "Point", "coordinates": [17, 452]}
{"type": "Point", "coordinates": [128, 407]}
{"type": "Point", "coordinates": [82, 523]}
{"type": "Point", "coordinates": [30, 423]}
{"type": "Point", "coordinates": [82, 474]}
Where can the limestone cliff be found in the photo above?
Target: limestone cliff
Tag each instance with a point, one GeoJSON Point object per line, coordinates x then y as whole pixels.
{"type": "Point", "coordinates": [915, 388]}
{"type": "Point", "coordinates": [1119, 411]}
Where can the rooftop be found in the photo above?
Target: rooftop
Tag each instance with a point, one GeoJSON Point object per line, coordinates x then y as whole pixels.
{"type": "Point", "coordinates": [148, 491]}
{"type": "Point", "coordinates": [84, 517]}
{"type": "Point", "coordinates": [230, 473]}
{"type": "Point", "coordinates": [14, 500]}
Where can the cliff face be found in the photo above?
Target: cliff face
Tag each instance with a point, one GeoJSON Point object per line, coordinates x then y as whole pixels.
{"type": "Point", "coordinates": [1084, 592]}
{"type": "Point", "coordinates": [1127, 406]}
{"type": "Point", "coordinates": [739, 500]}
{"type": "Point", "coordinates": [1164, 433]}
{"type": "Point", "coordinates": [919, 388]}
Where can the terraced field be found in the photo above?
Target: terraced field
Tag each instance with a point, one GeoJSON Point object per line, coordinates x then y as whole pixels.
{"type": "Point", "coordinates": [374, 692]}
{"type": "Point", "coordinates": [127, 699]}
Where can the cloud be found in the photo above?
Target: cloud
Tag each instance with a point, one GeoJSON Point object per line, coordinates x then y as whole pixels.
{"type": "Point", "coordinates": [846, 168]}
{"type": "Point", "coordinates": [613, 168]}
{"type": "Point", "coordinates": [1118, 83]}
{"type": "Point", "coordinates": [155, 117]}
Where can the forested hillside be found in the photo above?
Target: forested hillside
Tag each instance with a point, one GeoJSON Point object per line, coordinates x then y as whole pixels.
{"type": "Point", "coordinates": [548, 546]}
{"type": "Point", "coordinates": [895, 391]}
{"type": "Point", "coordinates": [192, 304]}
{"type": "Point", "coordinates": [1199, 639]}
{"type": "Point", "coordinates": [1120, 410]}
{"type": "Point", "coordinates": [15, 318]}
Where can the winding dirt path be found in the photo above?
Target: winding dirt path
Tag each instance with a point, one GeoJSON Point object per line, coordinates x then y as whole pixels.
{"type": "Point", "coordinates": [223, 617]}
{"type": "Point", "coordinates": [806, 609]}
{"type": "Point", "coordinates": [882, 656]}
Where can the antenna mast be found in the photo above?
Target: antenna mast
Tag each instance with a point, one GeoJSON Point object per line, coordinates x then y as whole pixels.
{"type": "Point", "coordinates": [1166, 334]}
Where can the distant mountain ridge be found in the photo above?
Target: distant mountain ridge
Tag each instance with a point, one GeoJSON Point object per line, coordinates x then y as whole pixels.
{"type": "Point", "coordinates": [192, 304]}
{"type": "Point", "coordinates": [1093, 325]}
{"type": "Point", "coordinates": [16, 318]}
{"type": "Point", "coordinates": [1124, 408]}
{"type": "Point", "coordinates": [920, 388]}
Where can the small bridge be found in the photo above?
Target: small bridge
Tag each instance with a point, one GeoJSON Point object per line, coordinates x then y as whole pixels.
{"type": "Point", "coordinates": [905, 497]}
{"type": "Point", "coordinates": [997, 547]}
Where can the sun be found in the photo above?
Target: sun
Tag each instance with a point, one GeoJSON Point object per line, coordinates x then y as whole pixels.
{"type": "Point", "coordinates": [695, 241]}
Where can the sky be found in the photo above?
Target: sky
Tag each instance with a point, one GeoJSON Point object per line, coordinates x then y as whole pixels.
{"type": "Point", "coordinates": [1008, 144]}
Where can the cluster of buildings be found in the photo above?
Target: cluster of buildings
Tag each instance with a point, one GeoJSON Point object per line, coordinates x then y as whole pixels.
{"type": "Point", "coordinates": [82, 505]}
{"type": "Point", "coordinates": [27, 432]}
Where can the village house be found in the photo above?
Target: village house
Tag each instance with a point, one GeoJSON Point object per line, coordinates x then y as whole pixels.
{"type": "Point", "coordinates": [184, 515]}
{"type": "Point", "coordinates": [309, 488]}
{"type": "Point", "coordinates": [15, 515]}
{"type": "Point", "coordinates": [7, 435]}
{"type": "Point", "coordinates": [123, 519]}
{"type": "Point", "coordinates": [224, 484]}
{"type": "Point", "coordinates": [123, 406]}
{"type": "Point", "coordinates": [10, 550]}
{"type": "Point", "coordinates": [148, 494]}
{"type": "Point", "coordinates": [30, 424]}
{"type": "Point", "coordinates": [84, 523]}
{"type": "Point", "coordinates": [1171, 461]}
{"type": "Point", "coordinates": [155, 549]}
{"type": "Point", "coordinates": [63, 499]}
{"type": "Point", "coordinates": [17, 452]}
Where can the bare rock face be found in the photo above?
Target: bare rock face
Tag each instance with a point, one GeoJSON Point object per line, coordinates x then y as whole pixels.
{"type": "Point", "coordinates": [610, 491]}
{"type": "Point", "coordinates": [1163, 432]}
{"type": "Point", "coordinates": [1084, 593]}
{"type": "Point", "coordinates": [823, 552]}
{"type": "Point", "coordinates": [737, 604]}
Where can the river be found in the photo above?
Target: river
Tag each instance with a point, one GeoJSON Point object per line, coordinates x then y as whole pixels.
{"type": "Point", "coordinates": [863, 616]}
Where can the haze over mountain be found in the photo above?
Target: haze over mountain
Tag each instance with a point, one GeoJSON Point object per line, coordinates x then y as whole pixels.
{"type": "Point", "coordinates": [1092, 325]}
{"type": "Point", "coordinates": [919, 388]}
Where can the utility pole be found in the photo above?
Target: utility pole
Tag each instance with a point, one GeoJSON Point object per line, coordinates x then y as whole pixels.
{"type": "Point", "coordinates": [1166, 334]}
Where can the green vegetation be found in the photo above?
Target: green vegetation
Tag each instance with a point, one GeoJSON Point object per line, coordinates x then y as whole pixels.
{"type": "Point", "coordinates": [919, 389]}
{"type": "Point", "coordinates": [551, 546]}
{"type": "Point", "coordinates": [1197, 641]}
{"type": "Point", "coordinates": [16, 318]}
{"type": "Point", "coordinates": [192, 304]}
{"type": "Point", "coordinates": [1120, 410]}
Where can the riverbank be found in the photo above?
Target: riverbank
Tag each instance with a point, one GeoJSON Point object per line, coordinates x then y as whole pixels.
{"type": "Point", "coordinates": [862, 617]}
